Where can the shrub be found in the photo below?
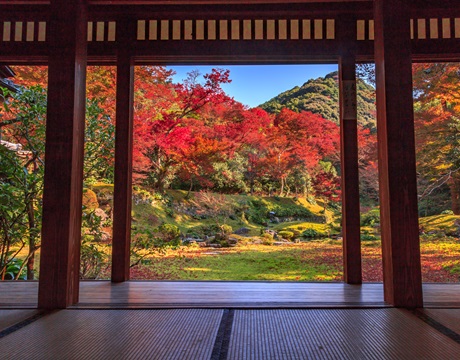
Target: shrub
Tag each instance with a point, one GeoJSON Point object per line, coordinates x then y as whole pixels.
{"type": "Point", "coordinates": [89, 200]}
{"type": "Point", "coordinates": [226, 229]}
{"type": "Point", "coordinates": [15, 270]}
{"type": "Point", "coordinates": [368, 237]}
{"type": "Point", "coordinates": [91, 260]}
{"type": "Point", "coordinates": [209, 230]}
{"type": "Point", "coordinates": [201, 231]}
{"type": "Point", "coordinates": [370, 218]}
{"type": "Point", "coordinates": [447, 212]}
{"type": "Point", "coordinates": [288, 235]}
{"type": "Point", "coordinates": [310, 233]}
{"type": "Point", "coordinates": [296, 232]}
{"type": "Point", "coordinates": [168, 233]}
{"type": "Point", "coordinates": [267, 239]}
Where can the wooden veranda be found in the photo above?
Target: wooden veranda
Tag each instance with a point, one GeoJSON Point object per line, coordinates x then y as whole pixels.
{"type": "Point", "coordinates": [67, 35]}
{"type": "Point", "coordinates": [229, 320]}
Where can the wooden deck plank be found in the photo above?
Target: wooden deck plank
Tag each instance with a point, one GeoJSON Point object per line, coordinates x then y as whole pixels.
{"type": "Point", "coordinates": [161, 294]}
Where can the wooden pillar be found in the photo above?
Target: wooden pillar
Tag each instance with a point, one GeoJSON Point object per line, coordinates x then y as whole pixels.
{"type": "Point", "coordinates": [62, 197]}
{"type": "Point", "coordinates": [350, 172]}
{"type": "Point", "coordinates": [122, 200]}
{"type": "Point", "coordinates": [396, 145]}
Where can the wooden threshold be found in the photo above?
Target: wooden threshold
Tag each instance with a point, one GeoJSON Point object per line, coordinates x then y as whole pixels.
{"type": "Point", "coordinates": [225, 294]}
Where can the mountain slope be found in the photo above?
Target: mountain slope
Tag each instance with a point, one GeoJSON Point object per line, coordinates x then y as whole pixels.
{"type": "Point", "coordinates": [321, 96]}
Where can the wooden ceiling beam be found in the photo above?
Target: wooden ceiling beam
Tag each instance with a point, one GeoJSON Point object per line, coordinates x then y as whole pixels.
{"type": "Point", "coordinates": [429, 47]}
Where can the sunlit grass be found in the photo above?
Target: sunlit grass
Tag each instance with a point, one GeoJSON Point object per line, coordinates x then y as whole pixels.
{"type": "Point", "coordinates": [439, 222]}
{"type": "Point", "coordinates": [319, 260]}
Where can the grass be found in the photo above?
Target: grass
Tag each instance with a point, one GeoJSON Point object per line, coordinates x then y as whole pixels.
{"type": "Point", "coordinates": [248, 262]}
{"type": "Point", "coordinates": [318, 260]}
{"type": "Point", "coordinates": [440, 222]}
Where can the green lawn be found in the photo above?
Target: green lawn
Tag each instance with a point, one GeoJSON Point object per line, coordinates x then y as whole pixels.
{"type": "Point", "coordinates": [319, 260]}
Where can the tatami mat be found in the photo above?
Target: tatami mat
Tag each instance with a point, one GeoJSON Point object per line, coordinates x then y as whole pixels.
{"type": "Point", "coordinates": [449, 318]}
{"type": "Point", "coordinates": [11, 317]}
{"type": "Point", "coordinates": [203, 334]}
{"type": "Point", "coordinates": [336, 334]}
{"type": "Point", "coordinates": [116, 334]}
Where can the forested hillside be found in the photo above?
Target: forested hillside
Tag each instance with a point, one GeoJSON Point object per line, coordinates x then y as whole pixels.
{"type": "Point", "coordinates": [321, 96]}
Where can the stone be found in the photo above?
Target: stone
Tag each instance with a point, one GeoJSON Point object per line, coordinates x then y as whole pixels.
{"type": "Point", "coordinates": [242, 231]}
{"type": "Point", "coordinates": [232, 240]}
{"type": "Point", "coordinates": [101, 213]}
{"type": "Point", "coordinates": [105, 236]}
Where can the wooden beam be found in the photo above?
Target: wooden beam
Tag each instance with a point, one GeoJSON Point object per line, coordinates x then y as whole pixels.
{"type": "Point", "coordinates": [202, 51]}
{"type": "Point", "coordinates": [122, 200]}
{"type": "Point", "coordinates": [350, 173]}
{"type": "Point", "coordinates": [396, 145]}
{"type": "Point", "coordinates": [62, 198]}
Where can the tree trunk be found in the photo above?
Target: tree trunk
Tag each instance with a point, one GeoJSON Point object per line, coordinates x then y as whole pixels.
{"type": "Point", "coordinates": [282, 186]}
{"type": "Point", "coordinates": [455, 194]}
{"type": "Point", "coordinates": [190, 188]}
{"type": "Point", "coordinates": [32, 236]}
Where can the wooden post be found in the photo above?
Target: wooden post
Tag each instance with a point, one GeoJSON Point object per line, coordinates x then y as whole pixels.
{"type": "Point", "coordinates": [62, 197]}
{"type": "Point", "coordinates": [396, 145]}
{"type": "Point", "coordinates": [122, 200]}
{"type": "Point", "coordinates": [350, 173]}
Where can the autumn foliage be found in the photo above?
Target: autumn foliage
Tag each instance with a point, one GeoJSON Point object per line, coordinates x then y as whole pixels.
{"type": "Point", "coordinates": [193, 136]}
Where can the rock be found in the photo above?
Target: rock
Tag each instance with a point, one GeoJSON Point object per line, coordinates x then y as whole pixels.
{"type": "Point", "coordinates": [202, 244]}
{"type": "Point", "coordinates": [210, 238]}
{"type": "Point", "coordinates": [296, 241]}
{"type": "Point", "coordinates": [105, 236]}
{"type": "Point", "coordinates": [279, 243]}
{"type": "Point", "coordinates": [232, 240]}
{"type": "Point", "coordinates": [242, 231]}
{"type": "Point", "coordinates": [101, 213]}
{"type": "Point", "coordinates": [189, 239]}
{"type": "Point", "coordinates": [215, 246]}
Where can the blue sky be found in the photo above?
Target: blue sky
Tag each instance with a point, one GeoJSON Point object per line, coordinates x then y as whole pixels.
{"type": "Point", "coordinates": [252, 85]}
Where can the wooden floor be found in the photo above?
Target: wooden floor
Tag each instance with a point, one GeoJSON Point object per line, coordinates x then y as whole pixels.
{"type": "Point", "coordinates": [188, 294]}
{"type": "Point", "coordinates": [229, 320]}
